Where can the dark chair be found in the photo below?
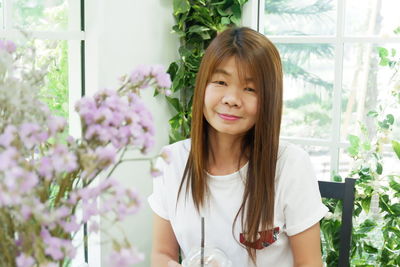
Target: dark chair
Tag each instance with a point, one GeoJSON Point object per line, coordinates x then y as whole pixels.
{"type": "Point", "coordinates": [343, 191]}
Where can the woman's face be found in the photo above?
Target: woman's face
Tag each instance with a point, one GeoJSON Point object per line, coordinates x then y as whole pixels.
{"type": "Point", "coordinates": [230, 105]}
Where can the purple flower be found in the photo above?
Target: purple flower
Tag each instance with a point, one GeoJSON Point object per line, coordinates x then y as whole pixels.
{"type": "Point", "coordinates": [8, 158]}
{"type": "Point", "coordinates": [56, 124]}
{"type": "Point", "coordinates": [45, 168]}
{"type": "Point", "coordinates": [89, 209]}
{"type": "Point", "coordinates": [106, 155]}
{"type": "Point", "coordinates": [31, 134]}
{"type": "Point", "coordinates": [25, 261]}
{"type": "Point", "coordinates": [8, 136]}
{"type": "Point", "coordinates": [125, 257]}
{"type": "Point", "coordinates": [7, 45]}
{"type": "Point", "coordinates": [63, 160]}
{"type": "Point", "coordinates": [57, 248]}
{"type": "Point", "coordinates": [29, 181]}
{"type": "Point", "coordinates": [139, 74]}
{"type": "Point", "coordinates": [71, 225]}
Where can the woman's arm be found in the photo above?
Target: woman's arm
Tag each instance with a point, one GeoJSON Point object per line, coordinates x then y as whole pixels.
{"type": "Point", "coordinates": [165, 246]}
{"type": "Point", "coordinates": [306, 247]}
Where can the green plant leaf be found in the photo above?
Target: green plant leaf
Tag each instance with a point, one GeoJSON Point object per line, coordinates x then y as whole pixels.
{"type": "Point", "coordinates": [354, 140]}
{"type": "Point", "coordinates": [383, 52]}
{"type": "Point", "coordinates": [396, 148]}
{"type": "Point", "coordinates": [366, 203]}
{"type": "Point", "coordinates": [181, 6]}
{"type": "Point", "coordinates": [397, 30]}
{"type": "Point", "coordinates": [390, 119]}
{"type": "Point", "coordinates": [379, 168]}
{"type": "Point", "coordinates": [198, 28]}
{"type": "Point", "coordinates": [175, 103]}
{"type": "Point", "coordinates": [370, 249]}
{"type": "Point", "coordinates": [372, 114]}
{"type": "Point", "coordinates": [225, 21]}
{"type": "Point", "coordinates": [394, 184]}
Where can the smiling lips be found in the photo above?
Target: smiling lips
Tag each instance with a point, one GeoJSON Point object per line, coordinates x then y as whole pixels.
{"type": "Point", "coordinates": [228, 117]}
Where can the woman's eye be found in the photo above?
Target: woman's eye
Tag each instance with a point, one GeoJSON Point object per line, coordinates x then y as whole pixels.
{"type": "Point", "coordinates": [248, 89]}
{"type": "Point", "coordinates": [220, 82]}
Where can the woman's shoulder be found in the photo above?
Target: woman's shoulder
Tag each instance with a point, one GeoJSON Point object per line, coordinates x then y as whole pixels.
{"type": "Point", "coordinates": [291, 156]}
{"type": "Point", "coordinates": [288, 151]}
{"type": "Point", "coordinates": [177, 154]}
{"type": "Point", "coordinates": [180, 148]}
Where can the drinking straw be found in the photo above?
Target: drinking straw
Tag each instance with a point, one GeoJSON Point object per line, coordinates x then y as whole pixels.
{"type": "Point", "coordinates": [202, 242]}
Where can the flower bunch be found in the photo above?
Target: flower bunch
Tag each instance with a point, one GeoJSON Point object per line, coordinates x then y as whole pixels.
{"type": "Point", "coordinates": [46, 182]}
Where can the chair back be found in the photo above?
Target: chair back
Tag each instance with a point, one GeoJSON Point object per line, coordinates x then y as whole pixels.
{"type": "Point", "coordinates": [343, 191]}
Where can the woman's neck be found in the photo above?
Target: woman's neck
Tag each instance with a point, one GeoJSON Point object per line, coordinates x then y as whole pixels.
{"type": "Point", "coordinates": [225, 151]}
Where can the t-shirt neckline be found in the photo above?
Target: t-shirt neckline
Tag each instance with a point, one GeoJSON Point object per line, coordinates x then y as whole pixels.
{"type": "Point", "coordinates": [239, 173]}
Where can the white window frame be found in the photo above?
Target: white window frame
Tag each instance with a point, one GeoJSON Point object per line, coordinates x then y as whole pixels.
{"type": "Point", "coordinates": [253, 17]}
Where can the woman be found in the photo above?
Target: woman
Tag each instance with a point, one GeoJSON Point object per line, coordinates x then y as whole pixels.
{"type": "Point", "coordinates": [259, 197]}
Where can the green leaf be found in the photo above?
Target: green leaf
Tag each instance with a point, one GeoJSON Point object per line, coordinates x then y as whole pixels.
{"type": "Point", "coordinates": [372, 114]}
{"type": "Point", "coordinates": [394, 185]}
{"type": "Point", "coordinates": [390, 119]}
{"type": "Point", "coordinates": [337, 178]}
{"type": "Point", "coordinates": [242, 2]}
{"type": "Point", "coordinates": [379, 168]}
{"type": "Point", "coordinates": [393, 52]}
{"type": "Point", "coordinates": [225, 21]}
{"type": "Point", "coordinates": [366, 203]}
{"type": "Point", "coordinates": [383, 52]}
{"type": "Point", "coordinates": [396, 209]}
{"type": "Point", "coordinates": [370, 249]}
{"type": "Point", "coordinates": [397, 30]}
{"type": "Point", "coordinates": [181, 7]}
{"type": "Point", "coordinates": [384, 62]}
{"type": "Point", "coordinates": [175, 103]}
{"type": "Point", "coordinates": [175, 121]}
{"type": "Point", "coordinates": [367, 226]}
{"type": "Point", "coordinates": [198, 28]}
{"type": "Point", "coordinates": [354, 140]}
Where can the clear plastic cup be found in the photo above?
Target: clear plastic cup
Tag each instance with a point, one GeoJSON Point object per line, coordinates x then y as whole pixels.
{"type": "Point", "coordinates": [213, 257]}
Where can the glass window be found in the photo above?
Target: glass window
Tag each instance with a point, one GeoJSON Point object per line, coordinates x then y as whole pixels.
{"type": "Point", "coordinates": [373, 17]}
{"type": "Point", "coordinates": [308, 87]}
{"type": "Point", "coordinates": [332, 75]}
{"type": "Point", "coordinates": [300, 17]}
{"type": "Point", "coordinates": [41, 15]}
{"type": "Point", "coordinates": [366, 87]}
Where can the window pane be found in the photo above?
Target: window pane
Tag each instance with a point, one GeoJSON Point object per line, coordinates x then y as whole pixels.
{"type": "Point", "coordinates": [308, 86]}
{"type": "Point", "coordinates": [46, 15]}
{"type": "Point", "coordinates": [1, 15]}
{"type": "Point", "coordinates": [372, 17]}
{"type": "Point", "coordinates": [366, 87]}
{"type": "Point", "coordinates": [300, 17]}
{"type": "Point", "coordinates": [320, 159]}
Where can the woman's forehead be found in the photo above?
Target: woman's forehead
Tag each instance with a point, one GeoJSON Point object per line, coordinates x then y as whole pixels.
{"type": "Point", "coordinates": [233, 66]}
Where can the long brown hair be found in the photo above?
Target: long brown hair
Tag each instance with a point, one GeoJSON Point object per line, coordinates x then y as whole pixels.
{"type": "Point", "coordinates": [260, 58]}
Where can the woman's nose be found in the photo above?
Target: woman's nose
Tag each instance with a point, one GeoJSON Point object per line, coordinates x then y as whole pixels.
{"type": "Point", "coordinates": [232, 97]}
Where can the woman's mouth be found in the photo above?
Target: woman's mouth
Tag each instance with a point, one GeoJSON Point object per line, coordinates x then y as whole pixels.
{"type": "Point", "coordinates": [228, 117]}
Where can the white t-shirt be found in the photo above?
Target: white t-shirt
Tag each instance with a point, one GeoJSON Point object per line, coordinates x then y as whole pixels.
{"type": "Point", "coordinates": [298, 206]}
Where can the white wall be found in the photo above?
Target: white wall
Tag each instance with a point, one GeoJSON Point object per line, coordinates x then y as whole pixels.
{"type": "Point", "coordinates": [121, 34]}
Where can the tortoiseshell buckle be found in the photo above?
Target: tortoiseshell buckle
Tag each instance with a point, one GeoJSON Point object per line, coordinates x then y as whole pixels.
{"type": "Point", "coordinates": [267, 237]}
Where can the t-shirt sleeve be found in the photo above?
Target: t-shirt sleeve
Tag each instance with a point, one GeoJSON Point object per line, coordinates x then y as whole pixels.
{"type": "Point", "coordinates": [157, 200]}
{"type": "Point", "coordinates": [302, 202]}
